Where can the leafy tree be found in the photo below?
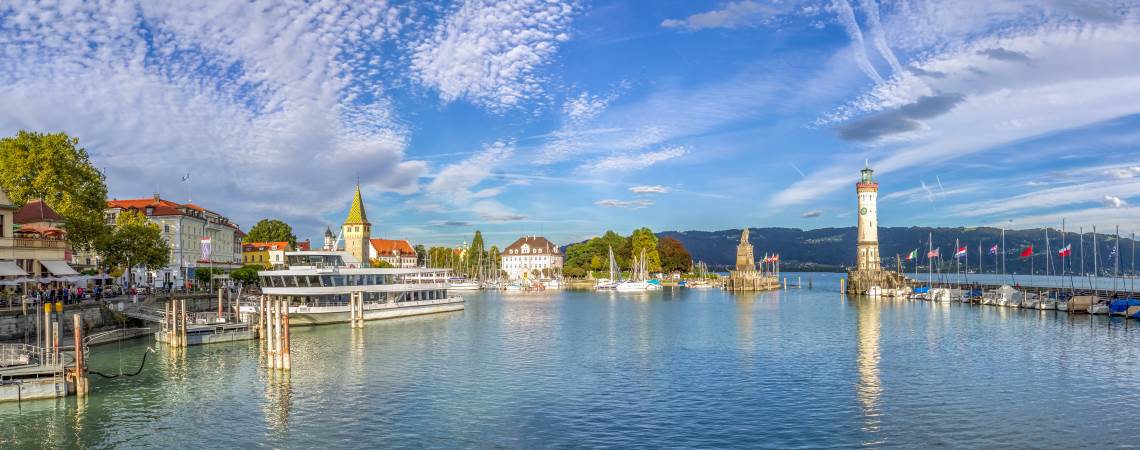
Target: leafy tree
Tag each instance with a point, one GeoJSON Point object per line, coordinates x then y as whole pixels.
{"type": "Point", "coordinates": [378, 263]}
{"type": "Point", "coordinates": [475, 254]}
{"type": "Point", "coordinates": [421, 255]}
{"type": "Point", "coordinates": [53, 168]}
{"type": "Point", "coordinates": [643, 238]}
{"type": "Point", "coordinates": [674, 256]}
{"type": "Point", "coordinates": [205, 274]}
{"type": "Point", "coordinates": [134, 241]}
{"type": "Point", "coordinates": [271, 230]}
{"type": "Point", "coordinates": [246, 274]}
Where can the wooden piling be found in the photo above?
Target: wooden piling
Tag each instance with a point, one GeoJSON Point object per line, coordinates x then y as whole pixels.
{"type": "Point", "coordinates": [220, 303]}
{"type": "Point", "coordinates": [80, 357]}
{"type": "Point", "coordinates": [842, 281]}
{"type": "Point", "coordinates": [261, 318]}
{"type": "Point", "coordinates": [285, 355]}
{"type": "Point", "coordinates": [46, 338]}
{"type": "Point", "coordinates": [182, 326]}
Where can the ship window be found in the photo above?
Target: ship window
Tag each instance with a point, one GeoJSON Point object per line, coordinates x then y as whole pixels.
{"type": "Point", "coordinates": [326, 280]}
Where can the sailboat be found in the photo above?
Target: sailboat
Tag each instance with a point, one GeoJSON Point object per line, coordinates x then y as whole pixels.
{"type": "Point", "coordinates": [611, 283]}
{"type": "Point", "coordinates": [639, 275]}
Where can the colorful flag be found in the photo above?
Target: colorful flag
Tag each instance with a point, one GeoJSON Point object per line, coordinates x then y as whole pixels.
{"type": "Point", "coordinates": [1027, 252]}
{"type": "Point", "coordinates": [913, 254]}
{"type": "Point", "coordinates": [1066, 251]}
{"type": "Point", "coordinates": [933, 253]}
{"type": "Point", "coordinates": [206, 248]}
{"type": "Point", "coordinates": [994, 250]}
{"type": "Point", "coordinates": [960, 253]}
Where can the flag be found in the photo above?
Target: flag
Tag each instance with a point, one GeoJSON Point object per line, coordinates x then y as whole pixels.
{"type": "Point", "coordinates": [1066, 251]}
{"type": "Point", "coordinates": [1027, 252]}
{"type": "Point", "coordinates": [960, 253]}
{"type": "Point", "coordinates": [932, 254]}
{"type": "Point", "coordinates": [994, 250]}
{"type": "Point", "coordinates": [776, 258]}
{"type": "Point", "coordinates": [913, 254]}
{"type": "Point", "coordinates": [206, 248]}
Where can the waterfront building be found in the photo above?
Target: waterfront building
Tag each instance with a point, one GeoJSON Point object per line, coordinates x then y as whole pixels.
{"type": "Point", "coordinates": [184, 226]}
{"type": "Point", "coordinates": [33, 241]}
{"type": "Point", "coordinates": [868, 275]}
{"type": "Point", "coordinates": [357, 230]}
{"type": "Point", "coordinates": [396, 252]}
{"type": "Point", "coordinates": [531, 257]}
{"type": "Point", "coordinates": [265, 254]}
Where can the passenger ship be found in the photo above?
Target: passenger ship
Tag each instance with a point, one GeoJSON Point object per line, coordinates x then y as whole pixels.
{"type": "Point", "coordinates": [318, 285]}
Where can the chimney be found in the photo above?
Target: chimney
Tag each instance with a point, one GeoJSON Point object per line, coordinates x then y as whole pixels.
{"type": "Point", "coordinates": [156, 197]}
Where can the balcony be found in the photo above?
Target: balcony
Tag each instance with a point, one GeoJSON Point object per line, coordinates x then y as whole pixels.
{"type": "Point", "coordinates": [33, 243]}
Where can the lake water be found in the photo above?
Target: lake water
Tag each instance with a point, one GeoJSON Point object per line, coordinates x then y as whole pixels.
{"type": "Point", "coordinates": [677, 368]}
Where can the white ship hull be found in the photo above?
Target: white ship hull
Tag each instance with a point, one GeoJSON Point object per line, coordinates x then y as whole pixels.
{"type": "Point", "coordinates": [320, 315]}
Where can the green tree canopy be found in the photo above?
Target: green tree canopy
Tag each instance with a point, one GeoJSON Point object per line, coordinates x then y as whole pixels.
{"type": "Point", "coordinates": [643, 238]}
{"type": "Point", "coordinates": [421, 255]}
{"type": "Point", "coordinates": [246, 274]}
{"type": "Point", "coordinates": [52, 167]}
{"type": "Point", "coordinates": [134, 241]}
{"type": "Point", "coordinates": [271, 230]}
{"type": "Point", "coordinates": [674, 256]}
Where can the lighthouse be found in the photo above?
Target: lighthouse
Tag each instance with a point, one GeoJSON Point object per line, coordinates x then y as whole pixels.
{"type": "Point", "coordinates": [868, 244]}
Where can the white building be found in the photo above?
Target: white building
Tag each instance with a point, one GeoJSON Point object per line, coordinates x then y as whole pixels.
{"type": "Point", "coordinates": [183, 227]}
{"type": "Point", "coordinates": [398, 253]}
{"type": "Point", "coordinates": [529, 257]}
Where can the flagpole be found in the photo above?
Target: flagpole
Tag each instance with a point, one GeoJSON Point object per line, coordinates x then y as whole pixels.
{"type": "Point", "coordinates": [929, 264]}
{"type": "Point", "coordinates": [1096, 267]}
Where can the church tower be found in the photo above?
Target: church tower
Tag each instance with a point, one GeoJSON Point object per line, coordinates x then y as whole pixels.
{"type": "Point", "coordinates": [356, 230]}
{"type": "Point", "coordinates": [330, 240]}
{"type": "Point", "coordinates": [868, 245]}
{"type": "Point", "coordinates": [745, 262]}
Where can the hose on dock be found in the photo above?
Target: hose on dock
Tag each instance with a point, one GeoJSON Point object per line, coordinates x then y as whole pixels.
{"type": "Point", "coordinates": [141, 365]}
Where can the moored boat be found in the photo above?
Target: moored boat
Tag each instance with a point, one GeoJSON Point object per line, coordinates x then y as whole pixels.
{"type": "Point", "coordinates": [318, 285]}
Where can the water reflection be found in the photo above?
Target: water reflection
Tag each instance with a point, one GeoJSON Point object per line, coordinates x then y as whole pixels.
{"type": "Point", "coordinates": [869, 389]}
{"type": "Point", "coordinates": [278, 400]}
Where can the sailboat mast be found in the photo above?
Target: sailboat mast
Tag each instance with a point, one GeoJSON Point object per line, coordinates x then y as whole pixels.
{"type": "Point", "coordinates": [929, 263]}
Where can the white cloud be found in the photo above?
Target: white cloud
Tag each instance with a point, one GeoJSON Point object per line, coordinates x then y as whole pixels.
{"type": "Point", "coordinates": [812, 214]}
{"type": "Point", "coordinates": [584, 107]}
{"type": "Point", "coordinates": [633, 161]}
{"type": "Point", "coordinates": [655, 189]}
{"type": "Point", "coordinates": [1114, 202]}
{"type": "Point", "coordinates": [456, 184]}
{"type": "Point", "coordinates": [1124, 172]}
{"type": "Point", "coordinates": [629, 204]}
{"type": "Point", "coordinates": [733, 15]}
{"type": "Point", "coordinates": [490, 52]}
{"type": "Point", "coordinates": [249, 98]}
{"type": "Point", "coordinates": [1080, 75]}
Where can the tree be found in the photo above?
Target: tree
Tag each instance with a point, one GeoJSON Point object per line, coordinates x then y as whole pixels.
{"type": "Point", "coordinates": [51, 167]}
{"type": "Point", "coordinates": [475, 254]}
{"type": "Point", "coordinates": [643, 238]}
{"type": "Point", "coordinates": [134, 242]}
{"type": "Point", "coordinates": [421, 256]}
{"type": "Point", "coordinates": [205, 274]}
{"type": "Point", "coordinates": [246, 274]}
{"type": "Point", "coordinates": [674, 256]}
{"type": "Point", "coordinates": [271, 230]}
{"type": "Point", "coordinates": [378, 263]}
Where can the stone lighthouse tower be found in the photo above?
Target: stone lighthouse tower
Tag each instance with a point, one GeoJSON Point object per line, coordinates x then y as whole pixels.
{"type": "Point", "coordinates": [868, 245]}
{"type": "Point", "coordinates": [357, 230]}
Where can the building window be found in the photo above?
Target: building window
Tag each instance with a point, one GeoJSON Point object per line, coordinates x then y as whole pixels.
{"type": "Point", "coordinates": [1, 225]}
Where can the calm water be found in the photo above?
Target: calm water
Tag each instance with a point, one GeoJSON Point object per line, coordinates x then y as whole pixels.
{"type": "Point", "coordinates": [678, 368]}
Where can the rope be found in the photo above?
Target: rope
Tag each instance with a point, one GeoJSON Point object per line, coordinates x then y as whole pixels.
{"type": "Point", "coordinates": [141, 364]}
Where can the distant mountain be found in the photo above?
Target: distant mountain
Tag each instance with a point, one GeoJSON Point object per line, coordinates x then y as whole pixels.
{"type": "Point", "coordinates": [834, 248]}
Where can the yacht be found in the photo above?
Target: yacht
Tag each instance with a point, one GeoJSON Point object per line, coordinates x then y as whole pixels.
{"type": "Point", "coordinates": [463, 284]}
{"type": "Point", "coordinates": [318, 285]}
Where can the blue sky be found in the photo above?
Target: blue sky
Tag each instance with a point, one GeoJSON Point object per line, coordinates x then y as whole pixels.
{"type": "Point", "coordinates": [570, 118]}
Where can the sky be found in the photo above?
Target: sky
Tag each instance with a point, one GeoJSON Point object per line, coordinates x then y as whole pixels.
{"type": "Point", "coordinates": [569, 118]}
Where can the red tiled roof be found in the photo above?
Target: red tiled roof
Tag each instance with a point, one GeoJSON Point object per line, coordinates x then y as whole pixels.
{"type": "Point", "coordinates": [36, 211]}
{"type": "Point", "coordinates": [265, 246]}
{"type": "Point", "coordinates": [161, 207]}
{"type": "Point", "coordinates": [387, 246]}
{"type": "Point", "coordinates": [303, 246]}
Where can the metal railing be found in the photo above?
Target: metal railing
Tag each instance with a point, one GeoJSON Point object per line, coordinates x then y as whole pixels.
{"type": "Point", "coordinates": [33, 243]}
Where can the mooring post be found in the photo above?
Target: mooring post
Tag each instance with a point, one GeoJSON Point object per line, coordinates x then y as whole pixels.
{"type": "Point", "coordinates": [285, 356]}
{"type": "Point", "coordinates": [841, 282]}
{"type": "Point", "coordinates": [80, 357]}
{"type": "Point", "coordinates": [261, 318]}
{"type": "Point", "coordinates": [182, 328]}
{"type": "Point", "coordinates": [785, 283]}
{"type": "Point", "coordinates": [220, 289]}
{"type": "Point", "coordinates": [274, 334]}
{"type": "Point", "coordinates": [57, 331]}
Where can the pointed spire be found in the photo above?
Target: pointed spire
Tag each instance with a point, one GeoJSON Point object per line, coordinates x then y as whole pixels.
{"type": "Point", "coordinates": [356, 213]}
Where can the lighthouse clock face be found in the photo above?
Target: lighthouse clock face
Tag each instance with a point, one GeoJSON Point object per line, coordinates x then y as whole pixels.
{"type": "Point", "coordinates": [862, 211]}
